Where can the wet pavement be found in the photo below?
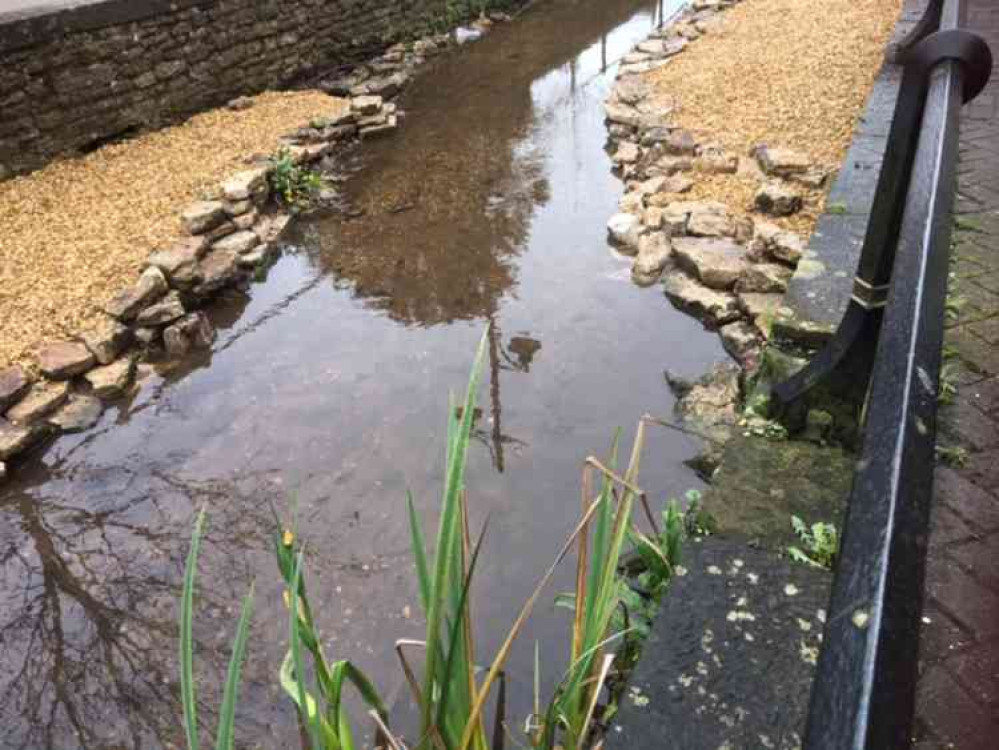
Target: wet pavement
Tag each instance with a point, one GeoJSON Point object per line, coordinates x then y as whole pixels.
{"type": "Point", "coordinates": [328, 389]}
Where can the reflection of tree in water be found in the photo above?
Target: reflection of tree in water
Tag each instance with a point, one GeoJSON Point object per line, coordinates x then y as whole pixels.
{"type": "Point", "coordinates": [447, 202]}
{"type": "Point", "coordinates": [88, 593]}
{"type": "Point", "coordinates": [88, 623]}
{"type": "Point", "coordinates": [73, 646]}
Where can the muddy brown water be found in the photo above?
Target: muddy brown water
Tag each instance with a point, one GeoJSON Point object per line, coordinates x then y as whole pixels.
{"type": "Point", "coordinates": [328, 386]}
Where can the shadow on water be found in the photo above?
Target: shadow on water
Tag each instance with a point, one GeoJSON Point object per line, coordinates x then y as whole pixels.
{"type": "Point", "coordinates": [329, 385]}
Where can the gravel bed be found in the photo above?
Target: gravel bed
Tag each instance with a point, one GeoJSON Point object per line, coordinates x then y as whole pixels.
{"type": "Point", "coordinates": [77, 231]}
{"type": "Point", "coordinates": [791, 73]}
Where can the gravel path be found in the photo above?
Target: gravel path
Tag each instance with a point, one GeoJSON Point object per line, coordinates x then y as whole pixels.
{"type": "Point", "coordinates": [792, 73]}
{"type": "Point", "coordinates": [74, 233]}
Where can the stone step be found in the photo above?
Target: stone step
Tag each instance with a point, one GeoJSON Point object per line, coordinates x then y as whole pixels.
{"type": "Point", "coordinates": [731, 656]}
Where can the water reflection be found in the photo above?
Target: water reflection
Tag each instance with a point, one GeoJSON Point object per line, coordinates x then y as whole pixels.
{"type": "Point", "coordinates": [446, 207]}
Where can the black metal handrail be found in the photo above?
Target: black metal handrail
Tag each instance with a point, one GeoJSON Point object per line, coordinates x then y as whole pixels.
{"type": "Point", "coordinates": [863, 693]}
{"type": "Point", "coordinates": [848, 358]}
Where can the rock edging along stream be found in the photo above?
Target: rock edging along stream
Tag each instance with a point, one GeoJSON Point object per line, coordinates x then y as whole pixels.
{"type": "Point", "coordinates": [728, 268]}
{"type": "Point", "coordinates": [229, 236]}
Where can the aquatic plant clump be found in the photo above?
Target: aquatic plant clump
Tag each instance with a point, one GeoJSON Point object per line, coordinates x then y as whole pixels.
{"type": "Point", "coordinates": [611, 615]}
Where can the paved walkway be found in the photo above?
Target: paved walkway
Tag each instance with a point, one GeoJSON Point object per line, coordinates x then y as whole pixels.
{"type": "Point", "coordinates": [958, 700]}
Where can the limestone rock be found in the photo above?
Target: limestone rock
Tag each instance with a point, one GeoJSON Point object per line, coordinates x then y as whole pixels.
{"type": "Point", "coordinates": [239, 103]}
{"type": "Point", "coordinates": [219, 269]}
{"type": "Point", "coordinates": [813, 179]}
{"type": "Point", "coordinates": [618, 132]}
{"type": "Point", "coordinates": [686, 30]}
{"type": "Point", "coordinates": [64, 359]}
{"type": "Point", "coordinates": [674, 218]}
{"type": "Point", "coordinates": [717, 263]}
{"type": "Point", "coordinates": [788, 247]}
{"type": "Point", "coordinates": [631, 91]}
{"type": "Point", "coordinates": [668, 165]}
{"type": "Point", "coordinates": [425, 47]}
{"type": "Point", "coordinates": [713, 400]}
{"type": "Point", "coordinates": [781, 162]}
{"type": "Point", "coordinates": [146, 336]}
{"type": "Point", "coordinates": [258, 256]}
{"type": "Point", "coordinates": [388, 86]}
{"type": "Point", "coordinates": [750, 169]}
{"type": "Point", "coordinates": [652, 218]}
{"type": "Point", "coordinates": [165, 311]}
{"type": "Point", "coordinates": [777, 199]}
{"type": "Point", "coordinates": [680, 143]}
{"type": "Point", "coordinates": [311, 152]}
{"type": "Point", "coordinates": [740, 339]}
{"type": "Point", "coordinates": [622, 114]}
{"type": "Point", "coordinates": [379, 129]}
{"type": "Point", "coordinates": [202, 216]}
{"type": "Point", "coordinates": [15, 439]}
{"type": "Point", "coordinates": [366, 105]}
{"type": "Point", "coordinates": [222, 230]}
{"type": "Point", "coordinates": [248, 185]}
{"type": "Point", "coordinates": [675, 45]}
{"type": "Point", "coordinates": [764, 278]}
{"type": "Point", "coordinates": [269, 228]}
{"type": "Point", "coordinates": [627, 153]}
{"type": "Point", "coordinates": [110, 381]}
{"type": "Point", "coordinates": [193, 331]}
{"type": "Point", "coordinates": [631, 203]}
{"type": "Point", "coordinates": [180, 262]}
{"type": "Point", "coordinates": [624, 231]}
{"type": "Point", "coordinates": [13, 384]}
{"type": "Point", "coordinates": [240, 242]}
{"type": "Point", "coordinates": [651, 186]}
{"type": "Point", "coordinates": [653, 255]}
{"type": "Point", "coordinates": [757, 305]}
{"type": "Point", "coordinates": [653, 136]}
{"type": "Point", "coordinates": [710, 224]}
{"type": "Point", "coordinates": [707, 304]}
{"type": "Point", "coordinates": [78, 414]}
{"type": "Point", "coordinates": [661, 48]}
{"type": "Point", "coordinates": [744, 227]}
{"type": "Point", "coordinates": [245, 221]}
{"type": "Point", "coordinates": [107, 339]}
{"type": "Point", "coordinates": [237, 208]}
{"type": "Point", "coordinates": [634, 57]}
{"type": "Point", "coordinates": [652, 47]}
{"type": "Point", "coordinates": [638, 68]}
{"type": "Point", "coordinates": [716, 163]}
{"type": "Point", "coordinates": [125, 305]}
{"type": "Point", "coordinates": [44, 397]}
{"type": "Point", "coordinates": [677, 183]}
{"type": "Point", "coordinates": [711, 216]}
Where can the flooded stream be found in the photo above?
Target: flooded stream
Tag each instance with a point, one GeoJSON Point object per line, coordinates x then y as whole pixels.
{"type": "Point", "coordinates": [328, 387]}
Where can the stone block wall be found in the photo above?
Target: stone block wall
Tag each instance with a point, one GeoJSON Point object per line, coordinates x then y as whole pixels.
{"type": "Point", "coordinates": [75, 76]}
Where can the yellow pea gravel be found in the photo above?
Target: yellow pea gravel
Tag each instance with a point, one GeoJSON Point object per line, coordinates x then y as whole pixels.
{"type": "Point", "coordinates": [791, 73]}
{"type": "Point", "coordinates": [77, 231]}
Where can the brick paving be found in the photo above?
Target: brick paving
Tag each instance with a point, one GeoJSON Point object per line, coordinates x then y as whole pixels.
{"type": "Point", "coordinates": [958, 697]}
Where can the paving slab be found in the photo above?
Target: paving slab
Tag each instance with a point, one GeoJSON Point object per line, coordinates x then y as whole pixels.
{"type": "Point", "coordinates": [731, 657]}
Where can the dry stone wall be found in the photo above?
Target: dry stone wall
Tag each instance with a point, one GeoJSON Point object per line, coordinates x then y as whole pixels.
{"type": "Point", "coordinates": [72, 78]}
